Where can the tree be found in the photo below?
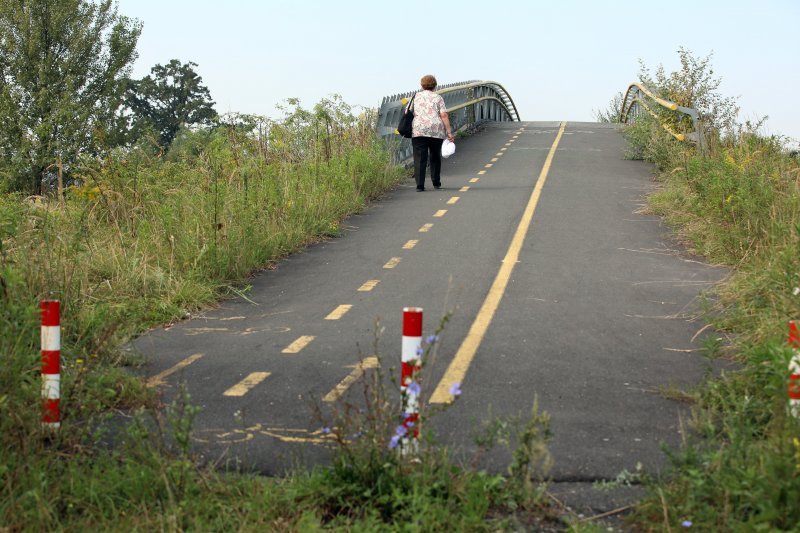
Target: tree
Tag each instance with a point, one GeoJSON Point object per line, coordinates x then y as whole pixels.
{"type": "Point", "coordinates": [173, 96]}
{"type": "Point", "coordinates": [63, 66]}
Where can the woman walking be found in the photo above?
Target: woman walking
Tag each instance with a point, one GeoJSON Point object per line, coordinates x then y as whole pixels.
{"type": "Point", "coordinates": [431, 125]}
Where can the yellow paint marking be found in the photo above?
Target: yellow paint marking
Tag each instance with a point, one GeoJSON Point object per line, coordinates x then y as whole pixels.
{"type": "Point", "coordinates": [499, 154]}
{"type": "Point", "coordinates": [425, 228]}
{"type": "Point", "coordinates": [339, 312]}
{"type": "Point", "coordinates": [393, 262]}
{"type": "Point", "coordinates": [300, 436]}
{"type": "Point", "coordinates": [369, 285]}
{"type": "Point", "coordinates": [347, 382]}
{"type": "Point", "coordinates": [244, 386]}
{"type": "Point", "coordinates": [507, 144]}
{"type": "Point", "coordinates": [481, 172]}
{"type": "Point", "coordinates": [159, 378]}
{"type": "Point", "coordinates": [453, 199]}
{"type": "Point", "coordinates": [410, 244]}
{"type": "Point", "coordinates": [457, 370]}
{"type": "Point", "coordinates": [299, 344]}
{"type": "Point", "coordinates": [515, 137]}
{"type": "Point", "coordinates": [503, 149]}
{"type": "Point", "coordinates": [191, 332]}
{"type": "Point", "coordinates": [494, 159]}
{"type": "Point", "coordinates": [475, 180]}
{"type": "Point", "coordinates": [465, 188]}
{"type": "Point", "coordinates": [512, 140]}
{"type": "Point", "coordinates": [440, 213]}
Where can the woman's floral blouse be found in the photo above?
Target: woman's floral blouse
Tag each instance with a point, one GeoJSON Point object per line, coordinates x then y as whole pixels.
{"type": "Point", "coordinates": [427, 122]}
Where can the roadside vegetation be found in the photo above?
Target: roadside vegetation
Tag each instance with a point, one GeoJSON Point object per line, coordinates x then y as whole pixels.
{"type": "Point", "coordinates": [737, 204]}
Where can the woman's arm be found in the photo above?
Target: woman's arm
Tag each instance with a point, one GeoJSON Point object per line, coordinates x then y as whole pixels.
{"type": "Point", "coordinates": [446, 119]}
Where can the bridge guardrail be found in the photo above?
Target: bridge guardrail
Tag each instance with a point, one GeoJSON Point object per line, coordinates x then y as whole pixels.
{"type": "Point", "coordinates": [635, 101]}
{"type": "Point", "coordinates": [467, 102]}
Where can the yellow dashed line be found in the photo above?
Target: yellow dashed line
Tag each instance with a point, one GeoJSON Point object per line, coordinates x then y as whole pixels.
{"type": "Point", "coordinates": [453, 199]}
{"type": "Point", "coordinates": [339, 312]}
{"type": "Point", "coordinates": [498, 154]}
{"type": "Point", "coordinates": [465, 188]}
{"type": "Point", "coordinates": [481, 172]}
{"type": "Point", "coordinates": [512, 140]}
{"type": "Point", "coordinates": [425, 228]}
{"type": "Point", "coordinates": [158, 379]}
{"type": "Point", "coordinates": [358, 371]}
{"type": "Point", "coordinates": [474, 180]}
{"type": "Point", "coordinates": [410, 244]}
{"type": "Point", "coordinates": [244, 386]}
{"type": "Point", "coordinates": [440, 213]}
{"type": "Point", "coordinates": [393, 262]}
{"type": "Point", "coordinates": [489, 165]}
{"type": "Point", "coordinates": [457, 370]}
{"type": "Point", "coordinates": [494, 159]}
{"type": "Point", "coordinates": [299, 344]}
{"type": "Point", "coordinates": [369, 285]}
{"type": "Point", "coordinates": [503, 149]}
{"type": "Point", "coordinates": [515, 137]}
{"type": "Point", "coordinates": [507, 144]}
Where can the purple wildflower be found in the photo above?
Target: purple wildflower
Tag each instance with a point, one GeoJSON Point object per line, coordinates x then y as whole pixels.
{"type": "Point", "coordinates": [419, 350]}
{"type": "Point", "coordinates": [431, 339]}
{"type": "Point", "coordinates": [414, 388]}
{"type": "Point", "coordinates": [393, 442]}
{"type": "Point", "coordinates": [326, 430]}
{"type": "Point", "coordinates": [686, 523]}
{"type": "Point", "coordinates": [401, 431]}
{"type": "Point", "coordinates": [455, 389]}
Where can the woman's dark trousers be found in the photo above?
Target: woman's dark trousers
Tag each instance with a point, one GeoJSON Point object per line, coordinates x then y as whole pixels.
{"type": "Point", "coordinates": [421, 146]}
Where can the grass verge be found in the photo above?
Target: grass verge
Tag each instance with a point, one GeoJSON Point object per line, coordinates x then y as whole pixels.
{"type": "Point", "coordinates": [738, 205]}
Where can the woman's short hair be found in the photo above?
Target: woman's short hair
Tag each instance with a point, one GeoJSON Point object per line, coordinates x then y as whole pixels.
{"type": "Point", "coordinates": [428, 82]}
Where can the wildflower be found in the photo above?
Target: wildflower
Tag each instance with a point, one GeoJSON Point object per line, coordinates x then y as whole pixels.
{"type": "Point", "coordinates": [79, 361]}
{"type": "Point", "coordinates": [455, 389]}
{"type": "Point", "coordinates": [357, 435]}
{"type": "Point", "coordinates": [414, 388]}
{"type": "Point", "coordinates": [401, 431]}
{"type": "Point", "coordinates": [431, 339]}
{"type": "Point", "coordinates": [326, 430]}
{"type": "Point", "coordinates": [419, 350]}
{"type": "Point", "coordinates": [686, 523]}
{"type": "Point", "coordinates": [393, 442]}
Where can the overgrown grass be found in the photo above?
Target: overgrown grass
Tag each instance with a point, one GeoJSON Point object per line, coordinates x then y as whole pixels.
{"type": "Point", "coordinates": [738, 205]}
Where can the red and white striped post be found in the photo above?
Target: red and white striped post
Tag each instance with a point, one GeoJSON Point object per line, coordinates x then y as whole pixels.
{"type": "Point", "coordinates": [51, 363]}
{"type": "Point", "coordinates": [411, 359]}
{"type": "Point", "coordinates": [794, 369]}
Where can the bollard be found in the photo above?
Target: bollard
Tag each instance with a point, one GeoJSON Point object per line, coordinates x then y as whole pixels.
{"type": "Point", "coordinates": [51, 363]}
{"type": "Point", "coordinates": [411, 360]}
{"type": "Point", "coordinates": [794, 369]}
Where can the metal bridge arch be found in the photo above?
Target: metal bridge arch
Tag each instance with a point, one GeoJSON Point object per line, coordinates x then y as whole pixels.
{"type": "Point", "coordinates": [467, 102]}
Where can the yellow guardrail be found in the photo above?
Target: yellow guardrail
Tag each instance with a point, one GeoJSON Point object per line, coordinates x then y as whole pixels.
{"type": "Point", "coordinates": [635, 97]}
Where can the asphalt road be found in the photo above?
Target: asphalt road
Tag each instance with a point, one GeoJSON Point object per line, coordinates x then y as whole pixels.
{"type": "Point", "coordinates": [592, 313]}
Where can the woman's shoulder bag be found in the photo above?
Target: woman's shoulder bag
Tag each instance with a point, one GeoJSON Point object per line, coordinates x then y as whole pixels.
{"type": "Point", "coordinates": [404, 128]}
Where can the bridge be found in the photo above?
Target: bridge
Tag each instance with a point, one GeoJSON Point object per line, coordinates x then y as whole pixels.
{"type": "Point", "coordinates": [561, 288]}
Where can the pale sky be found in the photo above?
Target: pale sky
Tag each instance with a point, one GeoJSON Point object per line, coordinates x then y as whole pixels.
{"type": "Point", "coordinates": [559, 59]}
